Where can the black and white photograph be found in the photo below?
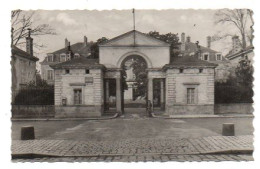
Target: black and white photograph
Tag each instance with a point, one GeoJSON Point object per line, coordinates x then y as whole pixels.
{"type": "Point", "coordinates": [132, 85]}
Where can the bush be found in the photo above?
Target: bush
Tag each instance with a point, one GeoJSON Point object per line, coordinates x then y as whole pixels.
{"type": "Point", "coordinates": [35, 96]}
{"type": "Point", "coordinates": [239, 87]}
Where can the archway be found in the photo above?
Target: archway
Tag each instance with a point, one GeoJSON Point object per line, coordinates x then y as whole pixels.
{"type": "Point", "coordinates": [134, 84]}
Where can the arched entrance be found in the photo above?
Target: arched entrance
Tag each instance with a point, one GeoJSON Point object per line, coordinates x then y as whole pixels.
{"type": "Point", "coordinates": [134, 85]}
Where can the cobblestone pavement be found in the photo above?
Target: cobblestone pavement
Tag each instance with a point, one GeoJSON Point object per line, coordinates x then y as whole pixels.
{"type": "Point", "coordinates": [144, 158]}
{"type": "Point", "coordinates": [135, 147]}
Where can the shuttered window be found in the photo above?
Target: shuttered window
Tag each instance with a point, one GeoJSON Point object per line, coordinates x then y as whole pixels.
{"type": "Point", "coordinates": [77, 96]}
{"type": "Point", "coordinates": [190, 95]}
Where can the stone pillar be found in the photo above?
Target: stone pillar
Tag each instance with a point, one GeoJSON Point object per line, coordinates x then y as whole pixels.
{"type": "Point", "coordinates": [107, 94]}
{"type": "Point", "coordinates": [162, 95]}
{"type": "Point", "coordinates": [150, 90]}
{"type": "Point", "coordinates": [119, 93]}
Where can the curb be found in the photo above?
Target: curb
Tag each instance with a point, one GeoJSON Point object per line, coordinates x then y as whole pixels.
{"type": "Point", "coordinates": [69, 119]}
{"type": "Point", "coordinates": [208, 116]}
{"type": "Point", "coordinates": [35, 155]}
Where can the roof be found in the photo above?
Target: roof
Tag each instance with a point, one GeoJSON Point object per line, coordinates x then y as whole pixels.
{"type": "Point", "coordinates": [130, 32]}
{"type": "Point", "coordinates": [188, 61]}
{"type": "Point", "coordinates": [192, 47]}
{"type": "Point", "coordinates": [231, 56]}
{"type": "Point", "coordinates": [79, 47]}
{"type": "Point", "coordinates": [81, 62]}
{"type": "Point", "coordinates": [21, 53]}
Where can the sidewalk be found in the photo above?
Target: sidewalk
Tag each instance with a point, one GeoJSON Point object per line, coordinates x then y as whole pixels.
{"type": "Point", "coordinates": [163, 146]}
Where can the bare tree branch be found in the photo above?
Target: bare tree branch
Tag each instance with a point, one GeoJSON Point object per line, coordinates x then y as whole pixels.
{"type": "Point", "coordinates": [237, 18]}
{"type": "Point", "coordinates": [22, 21]}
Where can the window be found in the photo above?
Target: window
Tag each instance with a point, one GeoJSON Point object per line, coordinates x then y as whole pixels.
{"type": "Point", "coordinates": [68, 57]}
{"type": "Point", "coordinates": [50, 75]}
{"type": "Point", "coordinates": [76, 55]}
{"type": "Point", "coordinates": [192, 54]}
{"type": "Point", "coordinates": [200, 70]}
{"type": "Point", "coordinates": [50, 58]}
{"type": "Point", "coordinates": [181, 70]}
{"type": "Point", "coordinates": [205, 56]}
{"type": "Point", "coordinates": [190, 95]}
{"type": "Point", "coordinates": [63, 57]}
{"type": "Point", "coordinates": [67, 71]}
{"type": "Point", "coordinates": [77, 96]}
{"type": "Point", "coordinates": [87, 71]}
{"type": "Point", "coordinates": [218, 56]}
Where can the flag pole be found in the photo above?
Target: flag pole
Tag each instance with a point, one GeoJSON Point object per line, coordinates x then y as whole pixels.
{"type": "Point", "coordinates": [134, 23]}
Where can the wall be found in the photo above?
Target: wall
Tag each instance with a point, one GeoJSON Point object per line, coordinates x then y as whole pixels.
{"type": "Point", "coordinates": [23, 71]}
{"type": "Point", "coordinates": [92, 92]}
{"type": "Point", "coordinates": [176, 91]}
{"type": "Point", "coordinates": [33, 111]}
{"type": "Point", "coordinates": [158, 56]}
{"type": "Point", "coordinates": [156, 53]}
{"type": "Point", "coordinates": [44, 73]}
{"type": "Point", "coordinates": [234, 108]}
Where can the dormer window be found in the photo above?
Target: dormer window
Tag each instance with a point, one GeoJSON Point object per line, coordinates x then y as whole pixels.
{"type": "Point", "coordinates": [76, 55]}
{"type": "Point", "coordinates": [218, 56]}
{"type": "Point", "coordinates": [192, 54]}
{"type": "Point", "coordinates": [63, 57]}
{"type": "Point", "coordinates": [205, 56]}
{"type": "Point", "coordinates": [68, 57]}
{"type": "Point", "coordinates": [50, 58]}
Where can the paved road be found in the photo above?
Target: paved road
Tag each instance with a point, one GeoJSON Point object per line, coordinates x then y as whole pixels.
{"type": "Point", "coordinates": [136, 139]}
{"type": "Point", "coordinates": [122, 128]}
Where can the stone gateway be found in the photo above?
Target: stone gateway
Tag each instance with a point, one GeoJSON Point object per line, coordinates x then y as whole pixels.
{"type": "Point", "coordinates": [89, 87]}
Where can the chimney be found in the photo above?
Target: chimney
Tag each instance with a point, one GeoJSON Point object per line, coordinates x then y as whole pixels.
{"type": "Point", "coordinates": [182, 37]}
{"type": "Point", "coordinates": [29, 43]}
{"type": "Point", "coordinates": [209, 41]}
{"type": "Point", "coordinates": [85, 41]}
{"type": "Point", "coordinates": [66, 42]}
{"type": "Point", "coordinates": [68, 47]}
{"type": "Point", "coordinates": [236, 47]}
{"type": "Point", "coordinates": [198, 51]}
{"type": "Point", "coordinates": [188, 39]}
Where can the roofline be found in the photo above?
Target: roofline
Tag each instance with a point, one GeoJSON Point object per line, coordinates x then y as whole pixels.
{"type": "Point", "coordinates": [169, 66]}
{"type": "Point", "coordinates": [235, 55]}
{"type": "Point", "coordinates": [122, 35]}
{"type": "Point", "coordinates": [77, 67]}
{"type": "Point", "coordinates": [15, 50]}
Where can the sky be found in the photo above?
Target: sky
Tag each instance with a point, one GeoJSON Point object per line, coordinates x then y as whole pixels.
{"type": "Point", "coordinates": [75, 24]}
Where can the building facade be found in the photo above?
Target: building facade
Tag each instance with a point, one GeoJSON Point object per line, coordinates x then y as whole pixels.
{"type": "Point", "coordinates": [68, 52]}
{"type": "Point", "coordinates": [23, 66]}
{"type": "Point", "coordinates": [236, 54]}
{"type": "Point", "coordinates": [188, 48]}
{"type": "Point", "coordinates": [82, 84]}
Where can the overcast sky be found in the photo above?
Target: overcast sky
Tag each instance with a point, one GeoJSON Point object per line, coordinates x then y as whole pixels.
{"type": "Point", "coordinates": [73, 25]}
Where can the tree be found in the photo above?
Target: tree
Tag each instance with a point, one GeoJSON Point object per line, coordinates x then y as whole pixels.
{"type": "Point", "coordinates": [239, 87]}
{"type": "Point", "coordinates": [94, 47]}
{"type": "Point", "coordinates": [36, 92]}
{"type": "Point", "coordinates": [22, 21]}
{"type": "Point", "coordinates": [241, 19]}
{"type": "Point", "coordinates": [139, 69]}
{"type": "Point", "coordinates": [170, 38]}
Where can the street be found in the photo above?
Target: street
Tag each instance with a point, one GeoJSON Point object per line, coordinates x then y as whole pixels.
{"type": "Point", "coordinates": [121, 128]}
